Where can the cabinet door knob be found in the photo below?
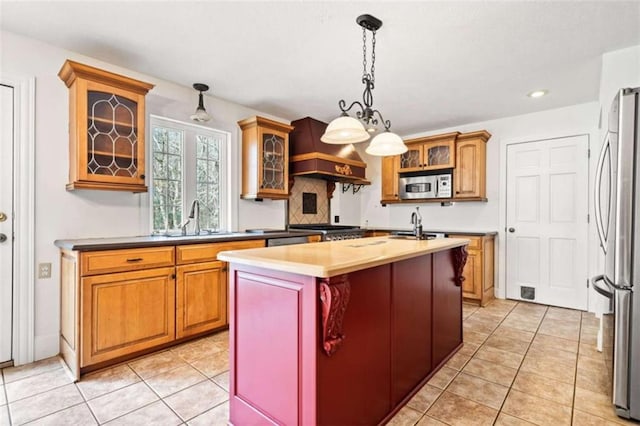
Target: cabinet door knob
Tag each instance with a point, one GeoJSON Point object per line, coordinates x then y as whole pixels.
{"type": "Point", "coordinates": [512, 229]}
{"type": "Point", "coordinates": [142, 176]}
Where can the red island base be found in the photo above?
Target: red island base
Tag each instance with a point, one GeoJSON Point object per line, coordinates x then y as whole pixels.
{"type": "Point", "coordinates": [345, 350]}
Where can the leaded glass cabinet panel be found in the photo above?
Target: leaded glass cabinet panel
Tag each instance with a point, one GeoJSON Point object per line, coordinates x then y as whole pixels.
{"type": "Point", "coordinates": [429, 153]}
{"type": "Point", "coordinates": [412, 159]}
{"type": "Point", "coordinates": [265, 158]}
{"type": "Point", "coordinates": [106, 129]}
{"type": "Point", "coordinates": [272, 161]}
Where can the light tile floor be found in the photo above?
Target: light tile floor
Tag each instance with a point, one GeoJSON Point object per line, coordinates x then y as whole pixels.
{"type": "Point", "coordinates": [521, 364]}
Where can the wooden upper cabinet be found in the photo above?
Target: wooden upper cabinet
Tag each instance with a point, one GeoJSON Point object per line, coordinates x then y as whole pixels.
{"type": "Point", "coordinates": [390, 178]}
{"type": "Point", "coordinates": [469, 177]}
{"type": "Point", "coordinates": [265, 158]}
{"type": "Point", "coordinates": [429, 153]}
{"type": "Point", "coordinates": [106, 129]}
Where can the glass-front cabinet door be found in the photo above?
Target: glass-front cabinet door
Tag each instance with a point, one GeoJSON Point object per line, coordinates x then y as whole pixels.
{"type": "Point", "coordinates": [274, 161]}
{"type": "Point", "coordinates": [412, 159]}
{"type": "Point", "coordinates": [439, 155]}
{"type": "Point", "coordinates": [106, 129]}
{"type": "Point", "coordinates": [265, 158]}
{"type": "Point", "coordinates": [112, 135]}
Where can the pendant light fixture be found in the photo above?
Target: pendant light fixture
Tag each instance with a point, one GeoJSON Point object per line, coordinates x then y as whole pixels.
{"type": "Point", "coordinates": [201, 115]}
{"type": "Point", "coordinates": [346, 129]}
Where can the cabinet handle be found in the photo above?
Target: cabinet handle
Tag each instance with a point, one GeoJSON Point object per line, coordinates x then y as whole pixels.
{"type": "Point", "coordinates": [135, 259]}
{"type": "Point", "coordinates": [142, 176]}
{"type": "Point", "coordinates": [173, 276]}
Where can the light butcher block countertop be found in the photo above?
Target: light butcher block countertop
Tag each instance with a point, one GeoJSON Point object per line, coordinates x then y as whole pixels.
{"type": "Point", "coordinates": [330, 258]}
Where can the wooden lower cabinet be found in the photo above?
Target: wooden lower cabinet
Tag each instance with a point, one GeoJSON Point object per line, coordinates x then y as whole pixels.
{"type": "Point", "coordinates": [109, 313]}
{"type": "Point", "coordinates": [201, 298]}
{"type": "Point", "coordinates": [370, 233]}
{"type": "Point", "coordinates": [478, 284]}
{"type": "Point", "coordinates": [126, 312]}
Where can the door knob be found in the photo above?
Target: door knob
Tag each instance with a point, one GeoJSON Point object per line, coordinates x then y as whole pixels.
{"type": "Point", "coordinates": [3, 238]}
{"type": "Point", "coordinates": [3, 217]}
{"type": "Point", "coordinates": [512, 229]}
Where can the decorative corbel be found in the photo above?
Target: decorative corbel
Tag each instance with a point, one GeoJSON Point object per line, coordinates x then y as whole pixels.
{"type": "Point", "coordinates": [331, 186]}
{"type": "Point", "coordinates": [334, 298]}
{"type": "Point", "coordinates": [459, 255]}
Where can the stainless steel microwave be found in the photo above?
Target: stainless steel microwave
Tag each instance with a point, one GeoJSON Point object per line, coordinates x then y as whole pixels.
{"type": "Point", "coordinates": [434, 186]}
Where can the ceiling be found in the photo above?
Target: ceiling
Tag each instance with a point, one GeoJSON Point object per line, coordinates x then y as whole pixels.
{"type": "Point", "coordinates": [439, 64]}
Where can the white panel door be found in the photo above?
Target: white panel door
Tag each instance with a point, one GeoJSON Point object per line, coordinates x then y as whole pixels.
{"type": "Point", "coordinates": [6, 220]}
{"type": "Point", "coordinates": [547, 196]}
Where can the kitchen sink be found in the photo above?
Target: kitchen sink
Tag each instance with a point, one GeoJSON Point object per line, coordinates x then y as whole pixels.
{"type": "Point", "coordinates": [179, 234]}
{"type": "Point", "coordinates": [401, 235]}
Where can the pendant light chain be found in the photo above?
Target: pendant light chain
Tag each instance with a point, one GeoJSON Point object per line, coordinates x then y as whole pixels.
{"type": "Point", "coordinates": [373, 57]}
{"type": "Point", "coordinates": [371, 75]}
{"type": "Point", "coordinates": [364, 52]}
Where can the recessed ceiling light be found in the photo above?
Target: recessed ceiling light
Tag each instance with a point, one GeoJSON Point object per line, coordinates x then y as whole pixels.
{"type": "Point", "coordinates": [537, 93]}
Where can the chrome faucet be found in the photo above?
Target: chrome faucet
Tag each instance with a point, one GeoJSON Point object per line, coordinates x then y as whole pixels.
{"type": "Point", "coordinates": [416, 221]}
{"type": "Point", "coordinates": [183, 227]}
{"type": "Point", "coordinates": [195, 214]}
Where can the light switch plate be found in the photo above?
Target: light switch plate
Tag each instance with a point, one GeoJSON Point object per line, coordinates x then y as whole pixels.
{"type": "Point", "coordinates": [44, 270]}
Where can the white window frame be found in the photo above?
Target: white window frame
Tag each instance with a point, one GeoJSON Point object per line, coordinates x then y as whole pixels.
{"type": "Point", "coordinates": [189, 167]}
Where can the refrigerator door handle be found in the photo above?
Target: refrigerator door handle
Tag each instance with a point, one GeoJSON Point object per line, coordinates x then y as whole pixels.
{"type": "Point", "coordinates": [597, 206]}
{"type": "Point", "coordinates": [606, 292]}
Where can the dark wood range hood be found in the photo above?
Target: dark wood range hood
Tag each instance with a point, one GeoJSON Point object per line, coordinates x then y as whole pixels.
{"type": "Point", "coordinates": [310, 157]}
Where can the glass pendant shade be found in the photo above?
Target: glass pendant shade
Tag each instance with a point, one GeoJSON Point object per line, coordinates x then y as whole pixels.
{"type": "Point", "coordinates": [345, 130]}
{"type": "Point", "coordinates": [201, 115]}
{"type": "Point", "coordinates": [386, 143]}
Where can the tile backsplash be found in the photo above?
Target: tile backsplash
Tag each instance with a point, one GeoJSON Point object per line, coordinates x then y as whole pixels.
{"type": "Point", "coordinates": [309, 186]}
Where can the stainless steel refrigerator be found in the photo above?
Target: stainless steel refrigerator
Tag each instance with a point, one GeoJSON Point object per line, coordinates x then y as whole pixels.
{"type": "Point", "coordinates": [617, 212]}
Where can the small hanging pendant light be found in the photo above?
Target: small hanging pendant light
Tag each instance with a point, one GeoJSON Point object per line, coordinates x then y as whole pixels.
{"type": "Point", "coordinates": [201, 115]}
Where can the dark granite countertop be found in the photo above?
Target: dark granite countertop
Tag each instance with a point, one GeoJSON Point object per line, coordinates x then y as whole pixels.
{"type": "Point", "coordinates": [92, 244]}
{"type": "Point", "coordinates": [474, 232]}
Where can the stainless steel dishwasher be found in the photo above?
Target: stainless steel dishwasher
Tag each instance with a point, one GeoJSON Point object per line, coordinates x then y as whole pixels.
{"type": "Point", "coordinates": [285, 241]}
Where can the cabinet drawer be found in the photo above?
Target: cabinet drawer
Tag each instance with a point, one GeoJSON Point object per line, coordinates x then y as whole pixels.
{"type": "Point", "coordinates": [101, 262]}
{"type": "Point", "coordinates": [474, 244]}
{"type": "Point", "coordinates": [194, 253]}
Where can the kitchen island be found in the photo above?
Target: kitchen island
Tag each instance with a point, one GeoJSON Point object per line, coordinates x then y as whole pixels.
{"type": "Point", "coordinates": [340, 332]}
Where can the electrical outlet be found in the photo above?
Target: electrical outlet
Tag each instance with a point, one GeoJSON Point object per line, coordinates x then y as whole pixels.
{"type": "Point", "coordinates": [336, 219]}
{"type": "Point", "coordinates": [44, 270]}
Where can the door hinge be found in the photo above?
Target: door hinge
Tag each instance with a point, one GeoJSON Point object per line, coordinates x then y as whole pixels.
{"type": "Point", "coordinates": [589, 153]}
{"type": "Point", "coordinates": [588, 218]}
{"type": "Point", "coordinates": [587, 282]}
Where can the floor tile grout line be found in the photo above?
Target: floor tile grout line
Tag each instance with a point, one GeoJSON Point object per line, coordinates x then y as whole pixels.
{"type": "Point", "coordinates": [60, 367]}
{"type": "Point", "coordinates": [36, 394]}
{"type": "Point", "coordinates": [519, 367]}
{"type": "Point", "coordinates": [206, 411]}
{"type": "Point", "coordinates": [170, 395]}
{"type": "Point", "coordinates": [460, 371]}
{"type": "Point", "coordinates": [56, 411]}
{"type": "Point", "coordinates": [86, 402]}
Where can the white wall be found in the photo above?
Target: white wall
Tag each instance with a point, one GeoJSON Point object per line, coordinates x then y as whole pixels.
{"type": "Point", "coordinates": [84, 214]}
